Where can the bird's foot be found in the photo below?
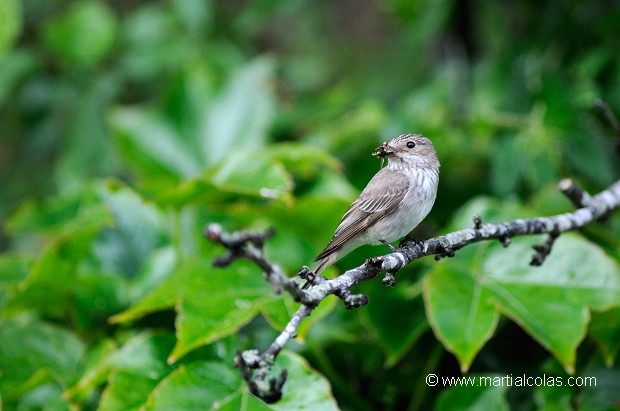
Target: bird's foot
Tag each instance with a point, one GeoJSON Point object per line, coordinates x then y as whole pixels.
{"type": "Point", "coordinates": [388, 245]}
{"type": "Point", "coordinates": [309, 276]}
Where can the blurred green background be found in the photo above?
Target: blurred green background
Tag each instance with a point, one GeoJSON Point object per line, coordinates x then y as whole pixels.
{"type": "Point", "coordinates": [126, 126]}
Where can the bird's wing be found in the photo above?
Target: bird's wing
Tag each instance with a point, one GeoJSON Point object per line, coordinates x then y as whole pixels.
{"type": "Point", "coordinates": [382, 196]}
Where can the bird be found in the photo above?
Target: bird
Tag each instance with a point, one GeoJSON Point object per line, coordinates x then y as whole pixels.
{"type": "Point", "coordinates": [393, 203]}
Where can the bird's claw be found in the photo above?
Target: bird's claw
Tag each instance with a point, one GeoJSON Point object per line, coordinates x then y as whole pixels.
{"type": "Point", "coordinates": [388, 245]}
{"type": "Point", "coordinates": [309, 276]}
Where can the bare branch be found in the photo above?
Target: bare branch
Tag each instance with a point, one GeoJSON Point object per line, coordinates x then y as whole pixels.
{"type": "Point", "coordinates": [249, 245]}
{"type": "Point", "coordinates": [255, 367]}
{"type": "Point", "coordinates": [574, 193]}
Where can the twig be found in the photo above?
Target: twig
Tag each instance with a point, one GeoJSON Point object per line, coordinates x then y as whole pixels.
{"type": "Point", "coordinates": [255, 367]}
{"type": "Point", "coordinates": [575, 194]}
{"type": "Point", "coordinates": [543, 250]}
{"type": "Point", "coordinates": [249, 245]}
{"type": "Point", "coordinates": [609, 115]}
{"type": "Point", "coordinates": [612, 120]}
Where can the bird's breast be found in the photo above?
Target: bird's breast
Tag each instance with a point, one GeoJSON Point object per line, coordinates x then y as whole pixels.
{"type": "Point", "coordinates": [414, 207]}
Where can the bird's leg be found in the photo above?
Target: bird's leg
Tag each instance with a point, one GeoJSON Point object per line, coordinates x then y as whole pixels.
{"type": "Point", "coordinates": [309, 276]}
{"type": "Point", "coordinates": [388, 245]}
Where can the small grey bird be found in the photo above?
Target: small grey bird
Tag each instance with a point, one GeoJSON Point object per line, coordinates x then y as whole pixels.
{"type": "Point", "coordinates": [393, 203]}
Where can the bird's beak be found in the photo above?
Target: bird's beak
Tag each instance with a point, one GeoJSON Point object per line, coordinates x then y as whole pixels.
{"type": "Point", "coordinates": [383, 150]}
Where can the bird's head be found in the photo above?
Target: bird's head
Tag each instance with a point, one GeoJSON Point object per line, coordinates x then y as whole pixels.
{"type": "Point", "coordinates": [415, 150]}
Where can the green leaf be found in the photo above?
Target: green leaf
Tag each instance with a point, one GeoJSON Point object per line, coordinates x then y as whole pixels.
{"type": "Point", "coordinates": [14, 66]}
{"type": "Point", "coordinates": [81, 157]}
{"type": "Point", "coordinates": [600, 393]}
{"type": "Point", "coordinates": [136, 369]}
{"type": "Point", "coordinates": [605, 329]}
{"type": "Point", "coordinates": [318, 316]}
{"type": "Point", "coordinates": [210, 303]}
{"type": "Point", "coordinates": [215, 386]}
{"type": "Point", "coordinates": [305, 388]}
{"type": "Point", "coordinates": [557, 325]}
{"type": "Point", "coordinates": [33, 353]}
{"type": "Point", "coordinates": [204, 386]}
{"type": "Point", "coordinates": [244, 172]}
{"type": "Point", "coordinates": [589, 154]}
{"type": "Point", "coordinates": [249, 172]}
{"type": "Point", "coordinates": [460, 309]}
{"type": "Point", "coordinates": [154, 44]}
{"type": "Point", "coordinates": [196, 190]}
{"type": "Point", "coordinates": [186, 99]}
{"type": "Point", "coordinates": [10, 24]}
{"type": "Point", "coordinates": [554, 397]}
{"type": "Point", "coordinates": [304, 161]}
{"type": "Point", "coordinates": [140, 377]}
{"type": "Point", "coordinates": [89, 259]}
{"type": "Point", "coordinates": [552, 302]}
{"type": "Point", "coordinates": [84, 35]}
{"type": "Point", "coordinates": [46, 397]}
{"type": "Point", "coordinates": [153, 144]}
{"type": "Point", "coordinates": [49, 215]}
{"type": "Point", "coordinates": [241, 114]}
{"type": "Point", "coordinates": [577, 266]}
{"type": "Point", "coordinates": [279, 312]}
{"type": "Point", "coordinates": [306, 221]}
{"type": "Point", "coordinates": [139, 230]}
{"type": "Point", "coordinates": [396, 332]}
{"type": "Point", "coordinates": [13, 269]}
{"type": "Point", "coordinates": [160, 264]}
{"type": "Point", "coordinates": [95, 371]}
{"type": "Point", "coordinates": [195, 14]}
{"type": "Point", "coordinates": [52, 277]}
{"type": "Point", "coordinates": [472, 398]}
{"type": "Point", "coordinates": [508, 169]}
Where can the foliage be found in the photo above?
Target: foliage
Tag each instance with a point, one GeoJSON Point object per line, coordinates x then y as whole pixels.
{"type": "Point", "coordinates": [126, 127]}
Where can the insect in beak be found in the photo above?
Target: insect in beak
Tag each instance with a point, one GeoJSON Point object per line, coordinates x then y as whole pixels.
{"type": "Point", "coordinates": [382, 152]}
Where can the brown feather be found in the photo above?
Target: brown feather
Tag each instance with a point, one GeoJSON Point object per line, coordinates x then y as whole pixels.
{"type": "Point", "coordinates": [375, 202]}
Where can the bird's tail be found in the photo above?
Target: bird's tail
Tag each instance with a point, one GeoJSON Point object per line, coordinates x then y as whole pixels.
{"type": "Point", "coordinates": [325, 262]}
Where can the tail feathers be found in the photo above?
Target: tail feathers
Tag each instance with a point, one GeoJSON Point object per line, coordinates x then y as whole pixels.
{"type": "Point", "coordinates": [325, 262]}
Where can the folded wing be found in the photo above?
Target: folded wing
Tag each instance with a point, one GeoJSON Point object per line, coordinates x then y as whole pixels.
{"type": "Point", "coordinates": [387, 192]}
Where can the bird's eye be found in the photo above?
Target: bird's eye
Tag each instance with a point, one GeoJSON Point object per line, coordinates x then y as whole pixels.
{"type": "Point", "coordinates": [410, 144]}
